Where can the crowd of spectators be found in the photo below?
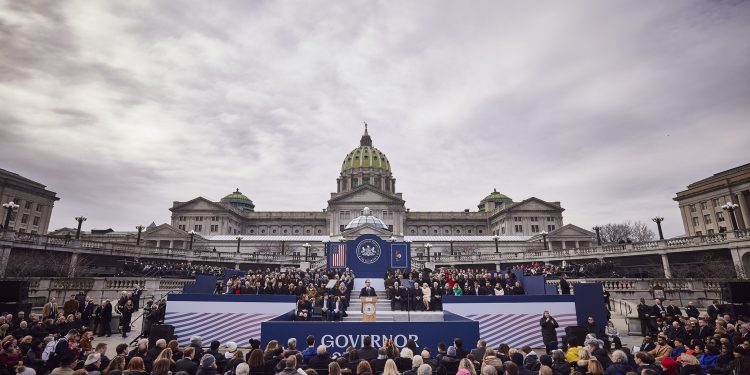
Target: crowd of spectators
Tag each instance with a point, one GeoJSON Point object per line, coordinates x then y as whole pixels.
{"type": "Point", "coordinates": [570, 269]}
{"type": "Point", "coordinates": [321, 294]}
{"type": "Point", "coordinates": [75, 353]}
{"type": "Point", "coordinates": [162, 268]}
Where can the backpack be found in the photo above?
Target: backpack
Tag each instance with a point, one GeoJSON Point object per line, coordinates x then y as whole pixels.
{"type": "Point", "coordinates": [49, 350]}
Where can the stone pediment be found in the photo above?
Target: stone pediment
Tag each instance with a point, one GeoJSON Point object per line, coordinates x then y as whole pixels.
{"type": "Point", "coordinates": [535, 204]}
{"type": "Point", "coordinates": [570, 231]}
{"type": "Point", "coordinates": [366, 195]}
{"type": "Point", "coordinates": [165, 230]}
{"type": "Point", "coordinates": [197, 204]}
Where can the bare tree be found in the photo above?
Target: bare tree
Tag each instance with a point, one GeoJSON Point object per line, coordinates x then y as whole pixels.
{"type": "Point", "coordinates": [622, 232]}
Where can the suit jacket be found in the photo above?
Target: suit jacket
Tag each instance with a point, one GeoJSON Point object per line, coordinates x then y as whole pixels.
{"type": "Point", "coordinates": [478, 353]}
{"type": "Point", "coordinates": [673, 310]}
{"type": "Point", "coordinates": [656, 310]}
{"type": "Point", "coordinates": [368, 353]}
{"type": "Point", "coordinates": [661, 351]}
{"type": "Point", "coordinates": [187, 365]}
{"type": "Point", "coordinates": [367, 292]}
{"type": "Point", "coordinates": [319, 362]}
{"type": "Point", "coordinates": [50, 309]}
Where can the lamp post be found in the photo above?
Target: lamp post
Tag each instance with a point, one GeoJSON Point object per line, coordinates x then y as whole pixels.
{"type": "Point", "coordinates": [307, 247]}
{"type": "Point", "coordinates": [80, 220]}
{"type": "Point", "coordinates": [192, 234]}
{"type": "Point", "coordinates": [658, 221]}
{"type": "Point", "coordinates": [9, 207]}
{"type": "Point", "coordinates": [138, 239]}
{"type": "Point", "coordinates": [428, 246]}
{"type": "Point", "coordinates": [497, 249]}
{"type": "Point", "coordinates": [325, 248]}
{"type": "Point", "coordinates": [544, 238]}
{"type": "Point", "coordinates": [598, 236]}
{"type": "Point", "coordinates": [239, 239]}
{"type": "Point", "coordinates": [730, 207]}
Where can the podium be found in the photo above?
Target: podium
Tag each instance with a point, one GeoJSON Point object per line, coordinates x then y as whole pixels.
{"type": "Point", "coordinates": [368, 308]}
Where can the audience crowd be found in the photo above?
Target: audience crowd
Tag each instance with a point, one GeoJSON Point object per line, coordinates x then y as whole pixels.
{"type": "Point", "coordinates": [163, 268]}
{"type": "Point", "coordinates": [322, 294]}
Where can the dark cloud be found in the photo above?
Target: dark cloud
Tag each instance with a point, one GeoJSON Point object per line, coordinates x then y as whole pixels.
{"type": "Point", "coordinates": [609, 108]}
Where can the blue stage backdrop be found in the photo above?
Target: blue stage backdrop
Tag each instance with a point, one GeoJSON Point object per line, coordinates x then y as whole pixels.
{"type": "Point", "coordinates": [369, 255]}
{"type": "Point", "coordinates": [339, 336]}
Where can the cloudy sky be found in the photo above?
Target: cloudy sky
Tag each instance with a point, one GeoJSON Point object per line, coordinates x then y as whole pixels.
{"type": "Point", "coordinates": [122, 107]}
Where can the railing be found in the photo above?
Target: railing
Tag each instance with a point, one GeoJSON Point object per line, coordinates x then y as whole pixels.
{"type": "Point", "coordinates": [521, 253]}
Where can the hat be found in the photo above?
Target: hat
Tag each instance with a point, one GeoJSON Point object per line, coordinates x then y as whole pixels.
{"type": "Point", "coordinates": [92, 358]}
{"type": "Point", "coordinates": [195, 340]}
{"type": "Point", "coordinates": [208, 360]}
{"type": "Point", "coordinates": [668, 363]}
{"type": "Point", "coordinates": [452, 352]}
{"type": "Point", "coordinates": [231, 346]}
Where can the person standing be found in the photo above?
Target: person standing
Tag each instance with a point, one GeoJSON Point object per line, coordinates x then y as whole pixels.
{"type": "Point", "coordinates": [50, 309]}
{"type": "Point", "coordinates": [549, 331]}
{"type": "Point", "coordinates": [106, 318]}
{"type": "Point", "coordinates": [126, 315]}
{"type": "Point", "coordinates": [367, 291]}
{"type": "Point", "coordinates": [564, 285]}
{"type": "Point", "coordinates": [644, 315]}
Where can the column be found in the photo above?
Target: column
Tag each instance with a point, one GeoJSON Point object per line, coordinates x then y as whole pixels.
{"type": "Point", "coordinates": [665, 264]}
{"type": "Point", "coordinates": [577, 246]}
{"type": "Point", "coordinates": [563, 244]}
{"type": "Point", "coordinates": [4, 257]}
{"type": "Point", "coordinates": [73, 265]}
{"type": "Point", "coordinates": [237, 266]}
{"type": "Point", "coordinates": [742, 201]}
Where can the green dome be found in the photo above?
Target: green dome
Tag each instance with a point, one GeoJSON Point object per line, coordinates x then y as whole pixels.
{"type": "Point", "coordinates": [495, 197]}
{"type": "Point", "coordinates": [239, 200]}
{"type": "Point", "coordinates": [366, 156]}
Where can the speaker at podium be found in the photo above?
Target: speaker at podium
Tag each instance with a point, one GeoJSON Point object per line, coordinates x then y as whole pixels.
{"type": "Point", "coordinates": [369, 308]}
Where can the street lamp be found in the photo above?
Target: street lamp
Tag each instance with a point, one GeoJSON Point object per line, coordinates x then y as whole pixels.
{"type": "Point", "coordinates": [325, 248]}
{"type": "Point", "coordinates": [544, 238]}
{"type": "Point", "coordinates": [9, 207]}
{"type": "Point", "coordinates": [307, 247]}
{"type": "Point", "coordinates": [138, 239]}
{"type": "Point", "coordinates": [428, 246]}
{"type": "Point", "coordinates": [496, 237]}
{"type": "Point", "coordinates": [239, 239]}
{"type": "Point", "coordinates": [658, 221]}
{"type": "Point", "coordinates": [598, 236]}
{"type": "Point", "coordinates": [80, 220]}
{"type": "Point", "coordinates": [192, 234]}
{"type": "Point", "coordinates": [730, 207]}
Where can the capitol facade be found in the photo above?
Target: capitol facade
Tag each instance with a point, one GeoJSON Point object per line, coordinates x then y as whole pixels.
{"type": "Point", "coordinates": [366, 200]}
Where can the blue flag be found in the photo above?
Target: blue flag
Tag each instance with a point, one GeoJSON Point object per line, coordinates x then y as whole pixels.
{"type": "Point", "coordinates": [399, 256]}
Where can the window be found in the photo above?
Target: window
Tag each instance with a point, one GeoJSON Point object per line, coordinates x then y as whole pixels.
{"type": "Point", "coordinates": [550, 228]}
{"type": "Point", "coordinates": [480, 231]}
{"type": "Point", "coordinates": [698, 233]}
{"type": "Point", "coordinates": [502, 230]}
{"type": "Point", "coordinates": [692, 208]}
{"type": "Point", "coordinates": [28, 205]}
{"type": "Point", "coordinates": [434, 231]}
{"type": "Point", "coordinates": [24, 219]}
{"type": "Point", "coordinates": [199, 218]}
{"type": "Point", "coordinates": [214, 228]}
{"type": "Point", "coordinates": [296, 231]}
{"type": "Point", "coordinates": [519, 228]}
{"type": "Point", "coordinates": [719, 217]}
{"type": "Point", "coordinates": [447, 231]}
{"type": "Point", "coordinates": [341, 228]}
{"type": "Point", "coordinates": [263, 231]}
{"type": "Point", "coordinates": [36, 220]}
{"type": "Point", "coordinates": [320, 231]}
{"type": "Point", "coordinates": [390, 228]}
{"type": "Point", "coordinates": [273, 231]}
{"type": "Point", "coordinates": [517, 219]}
{"type": "Point", "coordinates": [715, 202]}
{"type": "Point", "coordinates": [181, 227]}
{"type": "Point", "coordinates": [344, 214]}
{"type": "Point", "coordinates": [469, 231]}
{"type": "Point", "coordinates": [22, 230]}
{"type": "Point", "coordinates": [704, 206]}
{"type": "Point", "coordinates": [535, 228]}
{"type": "Point", "coordinates": [695, 221]}
{"type": "Point", "coordinates": [707, 219]}
{"type": "Point", "coordinates": [198, 228]}
{"type": "Point", "coordinates": [286, 231]}
{"type": "Point", "coordinates": [355, 182]}
{"type": "Point", "coordinates": [33, 232]}
{"type": "Point", "coordinates": [710, 232]}
{"type": "Point", "coordinates": [252, 231]}
{"type": "Point", "coordinates": [38, 207]}
{"type": "Point", "coordinates": [534, 218]}
{"type": "Point", "coordinates": [550, 218]}
{"type": "Point", "coordinates": [182, 218]}
{"type": "Point", "coordinates": [214, 218]}
{"type": "Point", "coordinates": [413, 231]}
{"type": "Point", "coordinates": [307, 231]}
{"type": "Point", "coordinates": [424, 231]}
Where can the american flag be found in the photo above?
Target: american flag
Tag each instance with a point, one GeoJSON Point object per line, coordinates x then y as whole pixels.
{"type": "Point", "coordinates": [223, 327]}
{"type": "Point", "coordinates": [338, 256]}
{"type": "Point", "coordinates": [517, 330]}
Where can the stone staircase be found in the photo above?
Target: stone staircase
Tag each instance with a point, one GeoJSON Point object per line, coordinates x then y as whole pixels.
{"type": "Point", "coordinates": [385, 314]}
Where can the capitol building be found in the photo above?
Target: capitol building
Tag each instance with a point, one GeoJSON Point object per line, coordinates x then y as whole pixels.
{"type": "Point", "coordinates": [366, 200]}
